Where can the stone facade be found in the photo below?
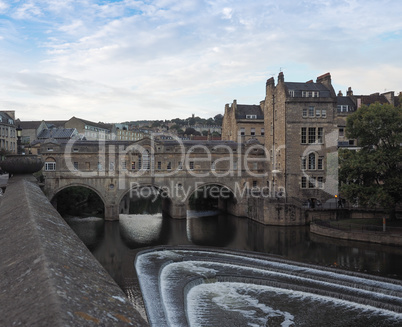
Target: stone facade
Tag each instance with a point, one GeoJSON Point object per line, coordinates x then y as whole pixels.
{"type": "Point", "coordinates": [242, 123]}
{"type": "Point", "coordinates": [8, 137]}
{"type": "Point", "coordinates": [300, 120]}
{"type": "Point", "coordinates": [111, 168]}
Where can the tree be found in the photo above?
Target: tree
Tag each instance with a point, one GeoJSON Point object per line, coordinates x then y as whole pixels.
{"type": "Point", "coordinates": [191, 131]}
{"type": "Point", "coordinates": [372, 175]}
{"type": "Point", "coordinates": [218, 119]}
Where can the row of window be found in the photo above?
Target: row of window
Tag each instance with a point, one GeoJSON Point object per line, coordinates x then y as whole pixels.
{"type": "Point", "coordinates": [312, 112]}
{"type": "Point", "coordinates": [96, 129]}
{"type": "Point", "coordinates": [312, 182]}
{"type": "Point", "coordinates": [252, 131]}
{"type": "Point", "coordinates": [141, 164]}
{"type": "Point", "coordinates": [312, 135]}
{"type": "Point", "coordinates": [8, 146]}
{"type": "Point", "coordinates": [4, 132]}
{"type": "Point", "coordinates": [306, 94]}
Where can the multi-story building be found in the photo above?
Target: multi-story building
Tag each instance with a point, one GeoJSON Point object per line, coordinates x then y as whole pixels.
{"type": "Point", "coordinates": [33, 128]}
{"type": "Point", "coordinates": [121, 132]}
{"type": "Point", "coordinates": [90, 130]}
{"type": "Point", "coordinates": [350, 103]}
{"type": "Point", "coordinates": [243, 122]}
{"type": "Point", "coordinates": [301, 125]}
{"type": "Point", "coordinates": [301, 138]}
{"type": "Point", "coordinates": [8, 137]}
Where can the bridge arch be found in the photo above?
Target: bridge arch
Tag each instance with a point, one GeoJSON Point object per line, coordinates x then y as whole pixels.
{"type": "Point", "coordinates": [56, 192]}
{"type": "Point", "coordinates": [143, 191]}
{"type": "Point", "coordinates": [215, 195]}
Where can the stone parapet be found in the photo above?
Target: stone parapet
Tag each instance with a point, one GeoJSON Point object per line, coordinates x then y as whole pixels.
{"type": "Point", "coordinates": [49, 277]}
{"type": "Point", "coordinates": [373, 237]}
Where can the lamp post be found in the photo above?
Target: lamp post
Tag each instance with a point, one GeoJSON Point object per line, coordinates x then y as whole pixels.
{"type": "Point", "coordinates": [19, 134]}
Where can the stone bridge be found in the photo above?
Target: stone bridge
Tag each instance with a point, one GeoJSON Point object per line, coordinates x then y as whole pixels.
{"type": "Point", "coordinates": [116, 169]}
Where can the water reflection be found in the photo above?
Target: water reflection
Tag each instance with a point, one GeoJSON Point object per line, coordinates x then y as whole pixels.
{"type": "Point", "coordinates": [142, 230]}
{"type": "Point", "coordinates": [90, 230]}
{"type": "Point", "coordinates": [115, 244]}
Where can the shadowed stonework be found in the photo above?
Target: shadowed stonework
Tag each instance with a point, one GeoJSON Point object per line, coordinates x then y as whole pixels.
{"type": "Point", "coordinates": [48, 276]}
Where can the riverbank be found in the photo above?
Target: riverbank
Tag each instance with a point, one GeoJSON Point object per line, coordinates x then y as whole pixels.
{"type": "Point", "coordinates": [364, 230]}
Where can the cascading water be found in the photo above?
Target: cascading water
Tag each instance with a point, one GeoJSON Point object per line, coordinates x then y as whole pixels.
{"type": "Point", "coordinates": [198, 287]}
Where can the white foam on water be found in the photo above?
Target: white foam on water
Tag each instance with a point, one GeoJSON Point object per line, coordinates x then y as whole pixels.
{"type": "Point", "coordinates": [336, 276]}
{"type": "Point", "coordinates": [232, 296]}
{"type": "Point", "coordinates": [143, 229]}
{"type": "Point", "coordinates": [236, 297]}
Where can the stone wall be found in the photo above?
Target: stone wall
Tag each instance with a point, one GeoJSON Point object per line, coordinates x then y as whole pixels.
{"type": "Point", "coordinates": [373, 237]}
{"type": "Point", "coordinates": [49, 277]}
{"type": "Point", "coordinates": [274, 212]}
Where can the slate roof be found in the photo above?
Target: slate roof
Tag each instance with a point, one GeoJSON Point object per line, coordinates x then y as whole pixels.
{"type": "Point", "coordinates": [57, 133]}
{"type": "Point", "coordinates": [373, 98]}
{"type": "Point", "coordinates": [245, 109]}
{"type": "Point", "coordinates": [298, 88]}
{"type": "Point", "coordinates": [341, 100]}
{"type": "Point", "coordinates": [306, 86]}
{"type": "Point", "coordinates": [5, 117]}
{"type": "Point", "coordinates": [34, 124]}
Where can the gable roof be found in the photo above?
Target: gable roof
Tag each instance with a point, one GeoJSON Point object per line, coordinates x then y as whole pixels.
{"type": "Point", "coordinates": [91, 123]}
{"type": "Point", "coordinates": [372, 98]}
{"type": "Point", "coordinates": [245, 109]}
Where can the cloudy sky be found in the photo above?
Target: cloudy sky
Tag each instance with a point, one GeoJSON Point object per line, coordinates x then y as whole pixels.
{"type": "Point", "coordinates": [121, 60]}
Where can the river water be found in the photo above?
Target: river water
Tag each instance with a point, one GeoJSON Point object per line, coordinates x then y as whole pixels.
{"type": "Point", "coordinates": [115, 244]}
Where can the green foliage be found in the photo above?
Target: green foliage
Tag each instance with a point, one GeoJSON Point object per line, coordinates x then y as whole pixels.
{"type": "Point", "coordinates": [372, 175]}
{"type": "Point", "coordinates": [218, 119]}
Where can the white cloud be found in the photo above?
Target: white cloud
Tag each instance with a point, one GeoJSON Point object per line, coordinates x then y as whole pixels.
{"type": "Point", "coordinates": [3, 6]}
{"type": "Point", "coordinates": [171, 56]}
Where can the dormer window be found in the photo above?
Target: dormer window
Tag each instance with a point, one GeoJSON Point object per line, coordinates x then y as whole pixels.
{"type": "Point", "coordinates": [343, 108]}
{"type": "Point", "coordinates": [292, 93]}
{"type": "Point", "coordinates": [251, 116]}
{"type": "Point", "coordinates": [310, 94]}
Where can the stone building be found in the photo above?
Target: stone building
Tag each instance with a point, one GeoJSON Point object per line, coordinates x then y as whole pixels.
{"type": "Point", "coordinates": [31, 129]}
{"type": "Point", "coordinates": [8, 137]}
{"type": "Point", "coordinates": [350, 103]}
{"type": "Point", "coordinates": [301, 138]}
{"type": "Point", "coordinates": [90, 130]}
{"type": "Point", "coordinates": [243, 122]}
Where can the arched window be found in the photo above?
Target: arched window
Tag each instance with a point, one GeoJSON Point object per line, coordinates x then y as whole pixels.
{"type": "Point", "coordinates": [50, 164]}
{"type": "Point", "coordinates": [311, 161]}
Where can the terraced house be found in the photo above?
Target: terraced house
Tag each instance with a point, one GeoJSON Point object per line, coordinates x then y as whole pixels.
{"type": "Point", "coordinates": [8, 137]}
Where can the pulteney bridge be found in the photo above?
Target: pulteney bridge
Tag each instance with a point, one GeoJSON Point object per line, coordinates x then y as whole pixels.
{"type": "Point", "coordinates": [116, 169]}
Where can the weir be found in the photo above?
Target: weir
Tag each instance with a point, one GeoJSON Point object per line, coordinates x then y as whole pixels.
{"type": "Point", "coordinates": [212, 286]}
